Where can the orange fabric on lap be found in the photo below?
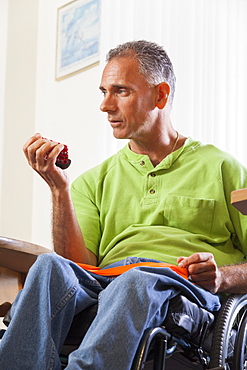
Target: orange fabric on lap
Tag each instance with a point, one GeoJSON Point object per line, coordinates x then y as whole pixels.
{"type": "Point", "coordinates": [115, 271]}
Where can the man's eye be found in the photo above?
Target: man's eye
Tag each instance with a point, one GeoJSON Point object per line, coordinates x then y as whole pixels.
{"type": "Point", "coordinates": [123, 91]}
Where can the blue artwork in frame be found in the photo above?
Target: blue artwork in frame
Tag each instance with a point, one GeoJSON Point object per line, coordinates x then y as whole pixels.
{"type": "Point", "coordinates": [78, 34]}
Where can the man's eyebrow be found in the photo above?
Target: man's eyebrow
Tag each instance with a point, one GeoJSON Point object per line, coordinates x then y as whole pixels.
{"type": "Point", "coordinates": [121, 86]}
{"type": "Point", "coordinates": [115, 87]}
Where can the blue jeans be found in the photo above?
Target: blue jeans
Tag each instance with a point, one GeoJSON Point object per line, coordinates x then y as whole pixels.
{"type": "Point", "coordinates": [57, 289]}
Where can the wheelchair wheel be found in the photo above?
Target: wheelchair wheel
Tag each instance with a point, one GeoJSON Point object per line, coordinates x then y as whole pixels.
{"type": "Point", "coordinates": [229, 343]}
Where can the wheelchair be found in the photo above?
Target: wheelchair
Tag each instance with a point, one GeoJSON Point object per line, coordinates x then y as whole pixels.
{"type": "Point", "coordinates": [211, 341]}
{"type": "Point", "coordinates": [215, 341]}
{"type": "Point", "coordinates": [221, 345]}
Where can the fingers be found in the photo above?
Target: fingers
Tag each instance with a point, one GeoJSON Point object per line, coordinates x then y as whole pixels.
{"type": "Point", "coordinates": [199, 263]}
{"type": "Point", "coordinates": [194, 259]}
{"type": "Point", "coordinates": [202, 269]}
{"type": "Point", "coordinates": [29, 142]}
{"type": "Point", "coordinates": [180, 259]}
{"type": "Point", "coordinates": [41, 153]}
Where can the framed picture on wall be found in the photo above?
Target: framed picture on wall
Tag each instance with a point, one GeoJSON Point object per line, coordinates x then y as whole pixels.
{"type": "Point", "coordinates": [78, 37]}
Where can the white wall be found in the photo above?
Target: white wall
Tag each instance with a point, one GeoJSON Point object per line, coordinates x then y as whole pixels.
{"type": "Point", "coordinates": [18, 116]}
{"type": "Point", "coordinates": [3, 48]}
{"type": "Point", "coordinates": [206, 42]}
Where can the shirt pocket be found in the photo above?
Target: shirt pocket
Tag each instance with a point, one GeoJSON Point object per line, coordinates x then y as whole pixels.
{"type": "Point", "coordinates": [194, 215]}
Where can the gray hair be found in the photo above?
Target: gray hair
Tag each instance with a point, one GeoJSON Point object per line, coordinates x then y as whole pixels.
{"type": "Point", "coordinates": [154, 62]}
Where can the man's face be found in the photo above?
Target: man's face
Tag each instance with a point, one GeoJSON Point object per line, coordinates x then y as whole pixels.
{"type": "Point", "coordinates": [129, 100]}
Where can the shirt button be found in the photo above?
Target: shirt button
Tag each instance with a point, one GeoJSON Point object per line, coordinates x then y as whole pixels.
{"type": "Point", "coordinates": [152, 191]}
{"type": "Point", "coordinates": [153, 174]}
{"type": "Point", "coordinates": [142, 163]}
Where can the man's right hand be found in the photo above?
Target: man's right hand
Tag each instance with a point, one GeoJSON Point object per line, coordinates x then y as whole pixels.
{"type": "Point", "coordinates": [67, 236]}
{"type": "Point", "coordinates": [35, 150]}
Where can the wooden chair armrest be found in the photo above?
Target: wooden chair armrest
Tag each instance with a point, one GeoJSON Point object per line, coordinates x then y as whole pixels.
{"type": "Point", "coordinates": [19, 255]}
{"type": "Point", "coordinates": [239, 200]}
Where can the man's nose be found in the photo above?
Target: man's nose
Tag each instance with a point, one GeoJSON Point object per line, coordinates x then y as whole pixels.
{"type": "Point", "coordinates": [108, 104]}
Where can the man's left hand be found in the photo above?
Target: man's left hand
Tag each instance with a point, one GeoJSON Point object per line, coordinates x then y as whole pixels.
{"type": "Point", "coordinates": [202, 270]}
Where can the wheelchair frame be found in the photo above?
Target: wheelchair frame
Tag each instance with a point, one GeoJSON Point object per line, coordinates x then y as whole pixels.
{"type": "Point", "coordinates": [229, 341]}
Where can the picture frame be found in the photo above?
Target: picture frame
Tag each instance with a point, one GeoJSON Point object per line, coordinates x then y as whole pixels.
{"type": "Point", "coordinates": [78, 37]}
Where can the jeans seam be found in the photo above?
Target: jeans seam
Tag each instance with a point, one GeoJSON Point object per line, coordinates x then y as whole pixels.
{"type": "Point", "coordinates": [88, 282]}
{"type": "Point", "coordinates": [64, 300]}
{"type": "Point", "coordinates": [52, 358]}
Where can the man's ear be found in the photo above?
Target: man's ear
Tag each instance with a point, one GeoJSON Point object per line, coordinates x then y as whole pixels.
{"type": "Point", "coordinates": [163, 91]}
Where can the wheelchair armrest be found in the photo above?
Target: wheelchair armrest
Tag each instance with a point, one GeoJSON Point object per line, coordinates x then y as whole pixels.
{"type": "Point", "coordinates": [19, 255]}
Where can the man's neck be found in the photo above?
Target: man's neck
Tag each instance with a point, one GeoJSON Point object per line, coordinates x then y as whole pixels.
{"type": "Point", "coordinates": [159, 148]}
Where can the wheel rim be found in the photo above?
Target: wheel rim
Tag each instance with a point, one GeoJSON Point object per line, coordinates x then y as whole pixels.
{"type": "Point", "coordinates": [226, 332]}
{"type": "Point", "coordinates": [240, 348]}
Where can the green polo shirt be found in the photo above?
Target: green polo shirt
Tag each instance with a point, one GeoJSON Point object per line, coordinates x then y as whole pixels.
{"type": "Point", "coordinates": [127, 207]}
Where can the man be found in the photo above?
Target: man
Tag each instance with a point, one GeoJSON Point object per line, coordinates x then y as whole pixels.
{"type": "Point", "coordinates": [163, 198]}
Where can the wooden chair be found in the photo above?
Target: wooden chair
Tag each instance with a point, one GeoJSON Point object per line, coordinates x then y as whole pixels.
{"type": "Point", "coordinates": [16, 257]}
